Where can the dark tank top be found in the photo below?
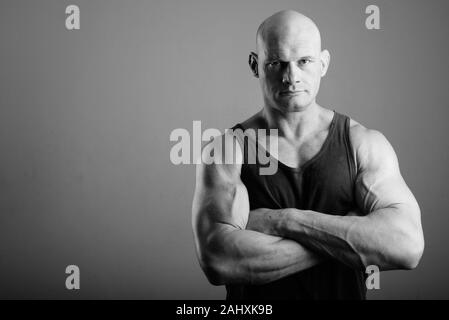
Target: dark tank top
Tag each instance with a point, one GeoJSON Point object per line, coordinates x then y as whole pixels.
{"type": "Point", "coordinates": [325, 184]}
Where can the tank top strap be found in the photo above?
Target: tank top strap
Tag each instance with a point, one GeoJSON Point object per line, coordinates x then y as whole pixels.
{"type": "Point", "coordinates": [341, 138]}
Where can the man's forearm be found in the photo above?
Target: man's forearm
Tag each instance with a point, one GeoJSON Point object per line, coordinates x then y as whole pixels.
{"type": "Point", "coordinates": [247, 257]}
{"type": "Point", "coordinates": [327, 234]}
{"type": "Point", "coordinates": [380, 238]}
{"type": "Point", "coordinates": [384, 237]}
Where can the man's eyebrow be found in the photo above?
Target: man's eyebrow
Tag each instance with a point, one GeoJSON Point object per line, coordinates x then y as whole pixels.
{"type": "Point", "coordinates": [307, 57]}
{"type": "Point", "coordinates": [273, 57]}
{"type": "Point", "coordinates": [276, 57]}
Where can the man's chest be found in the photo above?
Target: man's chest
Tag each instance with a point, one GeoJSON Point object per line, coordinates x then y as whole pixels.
{"type": "Point", "coordinates": [298, 153]}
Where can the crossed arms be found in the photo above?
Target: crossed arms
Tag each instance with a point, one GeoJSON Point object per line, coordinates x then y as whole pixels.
{"type": "Point", "coordinates": [236, 245]}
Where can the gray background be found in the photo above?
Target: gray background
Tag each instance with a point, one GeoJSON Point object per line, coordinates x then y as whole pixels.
{"type": "Point", "coordinates": [85, 119]}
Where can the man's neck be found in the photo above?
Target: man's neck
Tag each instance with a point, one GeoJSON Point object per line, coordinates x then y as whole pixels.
{"type": "Point", "coordinates": [294, 125]}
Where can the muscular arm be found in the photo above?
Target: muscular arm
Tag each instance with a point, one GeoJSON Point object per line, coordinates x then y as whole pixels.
{"type": "Point", "coordinates": [387, 234]}
{"type": "Point", "coordinates": [227, 252]}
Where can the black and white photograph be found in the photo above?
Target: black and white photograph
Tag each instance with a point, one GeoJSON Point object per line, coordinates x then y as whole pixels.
{"type": "Point", "coordinates": [228, 151]}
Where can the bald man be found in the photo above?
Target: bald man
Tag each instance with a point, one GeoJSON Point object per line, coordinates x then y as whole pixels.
{"type": "Point", "coordinates": [336, 204]}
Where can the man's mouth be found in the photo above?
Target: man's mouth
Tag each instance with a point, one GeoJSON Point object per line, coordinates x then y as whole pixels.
{"type": "Point", "coordinates": [291, 93]}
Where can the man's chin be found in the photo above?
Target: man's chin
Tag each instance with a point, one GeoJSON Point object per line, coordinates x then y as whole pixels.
{"type": "Point", "coordinates": [294, 105]}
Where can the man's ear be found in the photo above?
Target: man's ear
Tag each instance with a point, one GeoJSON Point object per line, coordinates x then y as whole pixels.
{"type": "Point", "coordinates": [325, 58]}
{"type": "Point", "coordinates": [253, 64]}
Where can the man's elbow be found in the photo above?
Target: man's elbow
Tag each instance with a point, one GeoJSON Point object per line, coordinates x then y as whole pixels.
{"type": "Point", "coordinates": [404, 254]}
{"type": "Point", "coordinates": [213, 276]}
{"type": "Point", "coordinates": [224, 270]}
{"type": "Point", "coordinates": [408, 245]}
{"type": "Point", "coordinates": [408, 255]}
{"type": "Point", "coordinates": [412, 254]}
{"type": "Point", "coordinates": [215, 270]}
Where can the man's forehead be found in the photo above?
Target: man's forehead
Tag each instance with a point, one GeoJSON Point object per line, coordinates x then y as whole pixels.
{"type": "Point", "coordinates": [282, 49]}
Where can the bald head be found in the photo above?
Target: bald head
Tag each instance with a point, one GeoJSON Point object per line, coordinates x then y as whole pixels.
{"type": "Point", "coordinates": [288, 26]}
{"type": "Point", "coordinates": [289, 61]}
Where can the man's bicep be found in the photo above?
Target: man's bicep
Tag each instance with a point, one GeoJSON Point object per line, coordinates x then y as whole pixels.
{"type": "Point", "coordinates": [379, 183]}
{"type": "Point", "coordinates": [220, 196]}
{"type": "Point", "coordinates": [222, 203]}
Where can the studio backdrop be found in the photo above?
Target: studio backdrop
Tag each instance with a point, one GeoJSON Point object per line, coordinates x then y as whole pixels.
{"type": "Point", "coordinates": [87, 110]}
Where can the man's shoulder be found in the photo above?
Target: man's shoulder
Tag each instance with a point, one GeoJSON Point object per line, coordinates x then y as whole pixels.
{"type": "Point", "coordinates": [368, 144]}
{"type": "Point", "coordinates": [362, 136]}
{"type": "Point", "coordinates": [227, 148]}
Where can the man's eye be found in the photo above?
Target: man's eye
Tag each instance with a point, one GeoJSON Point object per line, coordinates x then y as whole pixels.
{"type": "Point", "coordinates": [304, 61]}
{"type": "Point", "coordinates": [273, 64]}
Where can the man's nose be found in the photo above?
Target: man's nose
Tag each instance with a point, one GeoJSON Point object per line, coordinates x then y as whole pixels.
{"type": "Point", "coordinates": [291, 74]}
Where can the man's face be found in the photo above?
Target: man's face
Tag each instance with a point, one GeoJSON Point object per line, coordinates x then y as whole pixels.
{"type": "Point", "coordinates": [290, 69]}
